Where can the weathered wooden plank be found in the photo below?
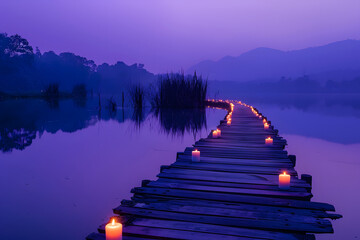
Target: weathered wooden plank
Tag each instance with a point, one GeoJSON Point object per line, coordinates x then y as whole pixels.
{"type": "Point", "coordinates": [101, 236]}
{"type": "Point", "coordinates": [243, 191]}
{"type": "Point", "coordinates": [226, 197]}
{"type": "Point", "coordinates": [273, 224]}
{"type": "Point", "coordinates": [239, 150]}
{"type": "Point", "coordinates": [215, 229]}
{"type": "Point", "coordinates": [240, 145]}
{"type": "Point", "coordinates": [231, 185]}
{"type": "Point", "coordinates": [281, 163]}
{"type": "Point", "coordinates": [235, 206]}
{"type": "Point", "coordinates": [233, 168]}
{"type": "Point", "coordinates": [259, 142]}
{"type": "Point", "coordinates": [226, 180]}
{"type": "Point", "coordinates": [239, 157]}
{"type": "Point", "coordinates": [238, 154]}
{"type": "Point", "coordinates": [229, 147]}
{"type": "Point", "coordinates": [161, 233]}
{"type": "Point", "coordinates": [244, 213]}
{"type": "Point", "coordinates": [239, 161]}
{"type": "Point", "coordinates": [250, 176]}
{"type": "Point", "coordinates": [244, 138]}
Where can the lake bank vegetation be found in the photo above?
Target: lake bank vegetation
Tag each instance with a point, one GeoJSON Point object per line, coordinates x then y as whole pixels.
{"type": "Point", "coordinates": [179, 91]}
{"type": "Point", "coordinates": [28, 73]}
{"type": "Point", "coordinates": [25, 72]}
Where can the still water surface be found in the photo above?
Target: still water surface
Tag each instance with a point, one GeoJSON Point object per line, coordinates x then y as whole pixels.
{"type": "Point", "coordinates": [324, 134]}
{"type": "Point", "coordinates": [63, 167]}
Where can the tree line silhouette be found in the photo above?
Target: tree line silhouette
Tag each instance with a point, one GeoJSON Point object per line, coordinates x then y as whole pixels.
{"type": "Point", "coordinates": [24, 71]}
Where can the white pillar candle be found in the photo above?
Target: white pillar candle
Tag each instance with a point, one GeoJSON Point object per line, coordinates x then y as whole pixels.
{"type": "Point", "coordinates": [284, 181]}
{"type": "Point", "coordinates": [195, 155]}
{"type": "Point", "coordinates": [269, 140]}
{"type": "Point", "coordinates": [266, 126]}
{"type": "Point", "coordinates": [113, 231]}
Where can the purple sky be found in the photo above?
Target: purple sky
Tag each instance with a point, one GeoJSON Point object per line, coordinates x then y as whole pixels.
{"type": "Point", "coordinates": [170, 35]}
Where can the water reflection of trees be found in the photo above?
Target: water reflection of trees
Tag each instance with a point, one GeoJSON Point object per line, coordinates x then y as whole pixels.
{"type": "Point", "coordinates": [179, 121]}
{"type": "Point", "coordinates": [23, 120]}
{"type": "Point", "coordinates": [15, 139]}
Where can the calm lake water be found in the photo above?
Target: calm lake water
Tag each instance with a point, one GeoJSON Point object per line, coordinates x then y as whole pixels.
{"type": "Point", "coordinates": [64, 166]}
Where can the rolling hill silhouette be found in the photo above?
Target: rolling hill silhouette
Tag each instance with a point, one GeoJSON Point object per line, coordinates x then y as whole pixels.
{"type": "Point", "coordinates": [335, 61]}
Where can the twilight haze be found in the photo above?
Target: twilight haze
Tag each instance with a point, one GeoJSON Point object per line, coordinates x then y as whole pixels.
{"type": "Point", "coordinates": [170, 35]}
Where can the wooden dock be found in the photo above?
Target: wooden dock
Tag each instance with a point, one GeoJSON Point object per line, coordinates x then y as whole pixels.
{"type": "Point", "coordinates": [232, 193]}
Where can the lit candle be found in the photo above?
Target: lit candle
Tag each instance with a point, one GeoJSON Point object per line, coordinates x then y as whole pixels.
{"type": "Point", "coordinates": [269, 140]}
{"type": "Point", "coordinates": [195, 155]}
{"type": "Point", "coordinates": [113, 231]}
{"type": "Point", "coordinates": [266, 126]}
{"type": "Point", "coordinates": [284, 181]}
{"type": "Point", "coordinates": [218, 132]}
{"type": "Point", "coordinates": [215, 134]}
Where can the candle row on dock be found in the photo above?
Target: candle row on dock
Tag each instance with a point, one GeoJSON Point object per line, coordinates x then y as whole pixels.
{"type": "Point", "coordinates": [284, 178]}
{"type": "Point", "coordinates": [216, 133]}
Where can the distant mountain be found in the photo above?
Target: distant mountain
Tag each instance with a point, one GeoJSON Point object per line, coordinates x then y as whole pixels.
{"type": "Point", "coordinates": [335, 61]}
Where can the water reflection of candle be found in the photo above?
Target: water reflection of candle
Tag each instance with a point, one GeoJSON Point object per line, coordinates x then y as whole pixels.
{"type": "Point", "coordinates": [228, 122]}
{"type": "Point", "coordinates": [266, 126]}
{"type": "Point", "coordinates": [269, 140]}
{"type": "Point", "coordinates": [113, 231]}
{"type": "Point", "coordinates": [284, 181]}
{"type": "Point", "coordinates": [195, 155]}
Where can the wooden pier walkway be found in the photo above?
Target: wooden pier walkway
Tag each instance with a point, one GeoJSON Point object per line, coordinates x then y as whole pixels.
{"type": "Point", "coordinates": [232, 193]}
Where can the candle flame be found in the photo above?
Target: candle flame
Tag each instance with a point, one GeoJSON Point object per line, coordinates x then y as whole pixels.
{"type": "Point", "coordinates": [113, 221]}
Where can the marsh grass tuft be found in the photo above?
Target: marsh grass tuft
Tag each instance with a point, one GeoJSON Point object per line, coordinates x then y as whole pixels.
{"type": "Point", "coordinates": [137, 96]}
{"type": "Point", "coordinates": [180, 91]}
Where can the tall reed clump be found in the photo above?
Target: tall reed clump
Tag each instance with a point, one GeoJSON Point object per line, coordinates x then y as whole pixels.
{"type": "Point", "coordinates": [111, 104]}
{"type": "Point", "coordinates": [180, 91]}
{"type": "Point", "coordinates": [137, 95]}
